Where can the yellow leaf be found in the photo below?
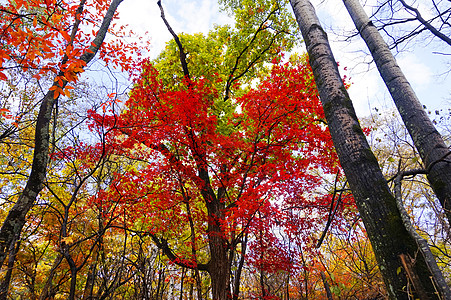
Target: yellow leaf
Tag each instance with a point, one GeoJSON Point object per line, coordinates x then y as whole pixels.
{"type": "Point", "coordinates": [67, 240]}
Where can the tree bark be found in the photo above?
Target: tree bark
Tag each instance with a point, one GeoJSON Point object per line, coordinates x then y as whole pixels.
{"type": "Point", "coordinates": [218, 266]}
{"type": "Point", "coordinates": [15, 220]}
{"type": "Point", "coordinates": [428, 141]}
{"type": "Point", "coordinates": [90, 280]}
{"type": "Point", "coordinates": [375, 202]}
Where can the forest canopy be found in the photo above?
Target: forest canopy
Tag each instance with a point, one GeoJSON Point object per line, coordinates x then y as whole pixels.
{"type": "Point", "coordinates": [231, 167]}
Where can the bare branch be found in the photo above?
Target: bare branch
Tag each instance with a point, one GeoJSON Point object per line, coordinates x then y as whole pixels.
{"type": "Point", "coordinates": [177, 40]}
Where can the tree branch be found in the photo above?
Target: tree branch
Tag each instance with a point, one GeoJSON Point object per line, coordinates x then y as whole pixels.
{"type": "Point", "coordinates": [163, 245]}
{"type": "Point", "coordinates": [421, 242]}
{"type": "Point", "coordinates": [177, 40]}
{"type": "Point", "coordinates": [331, 213]}
{"type": "Point", "coordinates": [426, 24]}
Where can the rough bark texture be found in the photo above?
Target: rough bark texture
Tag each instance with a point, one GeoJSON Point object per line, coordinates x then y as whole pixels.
{"type": "Point", "coordinates": [428, 141]}
{"type": "Point", "coordinates": [376, 204]}
{"type": "Point", "coordinates": [218, 266]}
{"type": "Point", "coordinates": [219, 269]}
{"type": "Point", "coordinates": [15, 220]}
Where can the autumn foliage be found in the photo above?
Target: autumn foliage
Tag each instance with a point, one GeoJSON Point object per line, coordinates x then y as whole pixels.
{"type": "Point", "coordinates": [221, 181]}
{"type": "Point", "coordinates": [46, 36]}
{"type": "Point", "coordinates": [215, 170]}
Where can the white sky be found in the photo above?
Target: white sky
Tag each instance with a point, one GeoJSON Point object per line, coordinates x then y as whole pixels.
{"type": "Point", "coordinates": [422, 68]}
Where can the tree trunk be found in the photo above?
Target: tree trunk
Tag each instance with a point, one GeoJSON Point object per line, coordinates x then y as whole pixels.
{"type": "Point", "coordinates": [375, 202]}
{"type": "Point", "coordinates": [326, 286]}
{"type": "Point", "coordinates": [428, 141]}
{"type": "Point", "coordinates": [90, 280]}
{"type": "Point", "coordinates": [218, 267]}
{"type": "Point", "coordinates": [4, 286]}
{"type": "Point", "coordinates": [237, 279]}
{"type": "Point", "coordinates": [15, 220]}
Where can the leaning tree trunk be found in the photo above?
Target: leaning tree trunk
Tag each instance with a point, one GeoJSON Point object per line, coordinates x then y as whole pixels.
{"type": "Point", "coordinates": [428, 141]}
{"type": "Point", "coordinates": [15, 220]}
{"type": "Point", "coordinates": [375, 202]}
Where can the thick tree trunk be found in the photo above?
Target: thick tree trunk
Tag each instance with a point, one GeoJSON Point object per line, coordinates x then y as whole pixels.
{"type": "Point", "coordinates": [218, 266]}
{"type": "Point", "coordinates": [15, 220]}
{"type": "Point", "coordinates": [428, 141]}
{"type": "Point", "coordinates": [376, 204]}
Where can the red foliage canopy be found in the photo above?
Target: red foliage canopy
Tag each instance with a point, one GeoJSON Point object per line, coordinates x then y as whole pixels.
{"type": "Point", "coordinates": [249, 165]}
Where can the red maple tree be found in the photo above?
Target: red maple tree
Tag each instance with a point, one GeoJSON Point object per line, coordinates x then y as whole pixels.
{"type": "Point", "coordinates": [210, 176]}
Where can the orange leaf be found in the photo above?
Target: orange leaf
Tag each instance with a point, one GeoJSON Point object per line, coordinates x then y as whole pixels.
{"type": "Point", "coordinates": [65, 35]}
{"type": "Point", "coordinates": [56, 93]}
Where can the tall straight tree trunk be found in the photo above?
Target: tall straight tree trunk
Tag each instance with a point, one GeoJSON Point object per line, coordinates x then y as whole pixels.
{"type": "Point", "coordinates": [375, 202]}
{"type": "Point", "coordinates": [15, 220]}
{"type": "Point", "coordinates": [428, 141]}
